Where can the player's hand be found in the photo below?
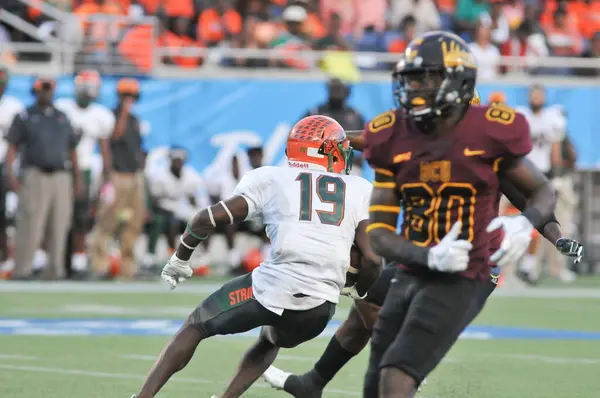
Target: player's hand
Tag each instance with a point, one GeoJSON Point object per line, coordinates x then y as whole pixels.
{"type": "Point", "coordinates": [517, 237]}
{"type": "Point", "coordinates": [176, 271]}
{"type": "Point", "coordinates": [350, 291]}
{"type": "Point", "coordinates": [451, 254]}
{"type": "Point", "coordinates": [570, 248]}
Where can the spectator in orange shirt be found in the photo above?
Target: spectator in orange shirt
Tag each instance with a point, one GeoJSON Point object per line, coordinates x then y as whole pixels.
{"type": "Point", "coordinates": [588, 16]}
{"type": "Point", "coordinates": [408, 27]}
{"type": "Point", "coordinates": [563, 38]}
{"type": "Point", "coordinates": [173, 8]}
{"type": "Point", "coordinates": [219, 23]}
{"type": "Point", "coordinates": [179, 39]}
{"type": "Point", "coordinates": [313, 26]}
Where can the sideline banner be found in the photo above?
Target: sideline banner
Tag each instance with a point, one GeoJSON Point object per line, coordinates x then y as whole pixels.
{"type": "Point", "coordinates": [215, 118]}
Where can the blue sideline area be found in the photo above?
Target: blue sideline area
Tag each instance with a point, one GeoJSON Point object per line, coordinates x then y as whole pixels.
{"type": "Point", "coordinates": [157, 327]}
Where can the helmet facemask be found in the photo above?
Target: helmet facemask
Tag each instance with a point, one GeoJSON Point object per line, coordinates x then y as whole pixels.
{"type": "Point", "coordinates": [337, 151]}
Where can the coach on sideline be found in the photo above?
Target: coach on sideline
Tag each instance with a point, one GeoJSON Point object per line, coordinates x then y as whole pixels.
{"type": "Point", "coordinates": [45, 140]}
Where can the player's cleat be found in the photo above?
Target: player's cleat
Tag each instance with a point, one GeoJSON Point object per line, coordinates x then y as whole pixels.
{"type": "Point", "coordinates": [276, 377]}
{"type": "Point", "coordinates": [308, 385]}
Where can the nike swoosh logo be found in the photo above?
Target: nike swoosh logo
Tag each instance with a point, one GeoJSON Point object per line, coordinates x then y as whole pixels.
{"type": "Point", "coordinates": [469, 152]}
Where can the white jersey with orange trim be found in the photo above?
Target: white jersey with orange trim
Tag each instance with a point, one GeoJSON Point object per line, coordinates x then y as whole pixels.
{"type": "Point", "coordinates": [547, 127]}
{"type": "Point", "coordinates": [94, 122]}
{"type": "Point", "coordinates": [311, 217]}
{"type": "Point", "coordinates": [9, 108]}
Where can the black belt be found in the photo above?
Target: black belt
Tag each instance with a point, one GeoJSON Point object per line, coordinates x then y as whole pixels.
{"type": "Point", "coordinates": [49, 170]}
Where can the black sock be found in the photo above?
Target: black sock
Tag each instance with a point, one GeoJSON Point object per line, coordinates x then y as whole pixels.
{"type": "Point", "coordinates": [333, 359]}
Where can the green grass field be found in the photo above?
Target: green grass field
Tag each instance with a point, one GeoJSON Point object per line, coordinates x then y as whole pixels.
{"type": "Point", "coordinates": [38, 362]}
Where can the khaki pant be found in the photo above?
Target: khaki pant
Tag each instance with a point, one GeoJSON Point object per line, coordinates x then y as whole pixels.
{"type": "Point", "coordinates": [128, 212]}
{"type": "Point", "coordinates": [44, 216]}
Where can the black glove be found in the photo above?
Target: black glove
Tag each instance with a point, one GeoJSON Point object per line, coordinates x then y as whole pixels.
{"type": "Point", "coordinates": [570, 248]}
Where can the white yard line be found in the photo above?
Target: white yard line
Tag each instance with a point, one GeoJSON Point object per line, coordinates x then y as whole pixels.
{"type": "Point", "coordinates": [546, 359]}
{"type": "Point", "coordinates": [280, 357]}
{"type": "Point", "coordinates": [206, 288]}
{"type": "Point", "coordinates": [125, 376]}
{"type": "Point", "coordinates": [19, 357]}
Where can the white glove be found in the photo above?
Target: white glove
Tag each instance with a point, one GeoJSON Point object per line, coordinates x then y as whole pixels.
{"type": "Point", "coordinates": [517, 237]}
{"type": "Point", "coordinates": [451, 254]}
{"type": "Point", "coordinates": [176, 271]}
{"type": "Point", "coordinates": [350, 291]}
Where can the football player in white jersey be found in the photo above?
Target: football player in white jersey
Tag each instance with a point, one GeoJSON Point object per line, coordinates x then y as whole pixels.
{"type": "Point", "coordinates": [93, 122]}
{"type": "Point", "coordinates": [548, 126]}
{"type": "Point", "coordinates": [313, 212]}
{"type": "Point", "coordinates": [177, 192]}
{"type": "Point", "coordinates": [9, 108]}
{"type": "Point", "coordinates": [548, 129]}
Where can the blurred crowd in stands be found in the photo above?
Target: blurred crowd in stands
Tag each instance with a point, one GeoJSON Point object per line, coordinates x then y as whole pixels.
{"type": "Point", "coordinates": [531, 28]}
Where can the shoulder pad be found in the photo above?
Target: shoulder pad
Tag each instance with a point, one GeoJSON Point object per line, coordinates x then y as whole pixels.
{"type": "Point", "coordinates": [508, 129]}
{"type": "Point", "coordinates": [378, 136]}
{"type": "Point", "coordinates": [381, 122]}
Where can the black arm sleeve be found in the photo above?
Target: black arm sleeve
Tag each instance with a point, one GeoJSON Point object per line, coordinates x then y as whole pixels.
{"type": "Point", "coordinates": [520, 201]}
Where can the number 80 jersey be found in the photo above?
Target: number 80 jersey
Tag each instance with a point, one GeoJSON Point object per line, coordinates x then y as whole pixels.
{"type": "Point", "coordinates": [311, 217]}
{"type": "Point", "coordinates": [451, 177]}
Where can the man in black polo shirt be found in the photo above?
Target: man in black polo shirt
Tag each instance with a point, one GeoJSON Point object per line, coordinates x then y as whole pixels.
{"type": "Point", "coordinates": [337, 108]}
{"type": "Point", "coordinates": [45, 140]}
{"type": "Point", "coordinates": [123, 177]}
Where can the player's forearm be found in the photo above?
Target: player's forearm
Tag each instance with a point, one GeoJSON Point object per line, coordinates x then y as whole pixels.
{"type": "Point", "coordinates": [519, 200]}
{"type": "Point", "coordinates": [541, 206]}
{"type": "Point", "coordinates": [395, 248]}
{"type": "Point", "coordinates": [207, 220]}
{"type": "Point", "coordinates": [531, 182]}
{"type": "Point", "coordinates": [552, 232]}
{"type": "Point", "coordinates": [197, 230]}
{"type": "Point", "coordinates": [106, 158]}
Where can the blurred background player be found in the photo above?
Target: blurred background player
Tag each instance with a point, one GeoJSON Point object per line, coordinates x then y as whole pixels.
{"type": "Point", "coordinates": [548, 130]}
{"type": "Point", "coordinates": [177, 193]}
{"type": "Point", "coordinates": [9, 108]}
{"type": "Point", "coordinates": [509, 274]}
{"type": "Point", "coordinates": [122, 197]}
{"type": "Point", "coordinates": [45, 141]}
{"type": "Point", "coordinates": [92, 122]}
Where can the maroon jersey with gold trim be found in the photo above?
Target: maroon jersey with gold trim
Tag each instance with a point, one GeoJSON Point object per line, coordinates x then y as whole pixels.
{"type": "Point", "coordinates": [451, 177]}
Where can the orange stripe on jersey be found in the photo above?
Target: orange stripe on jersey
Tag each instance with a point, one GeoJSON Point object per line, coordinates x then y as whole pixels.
{"type": "Point", "coordinates": [379, 225]}
{"type": "Point", "coordinates": [387, 185]}
{"type": "Point", "coordinates": [384, 172]}
{"type": "Point", "coordinates": [385, 209]}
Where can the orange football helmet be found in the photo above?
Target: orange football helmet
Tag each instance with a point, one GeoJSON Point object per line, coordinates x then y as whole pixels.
{"type": "Point", "coordinates": [321, 141]}
{"type": "Point", "coordinates": [87, 82]}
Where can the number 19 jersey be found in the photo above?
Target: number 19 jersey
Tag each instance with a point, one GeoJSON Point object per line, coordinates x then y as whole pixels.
{"type": "Point", "coordinates": [311, 217]}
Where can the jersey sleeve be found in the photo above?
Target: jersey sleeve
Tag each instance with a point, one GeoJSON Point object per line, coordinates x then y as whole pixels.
{"type": "Point", "coordinates": [378, 134]}
{"type": "Point", "coordinates": [60, 104]}
{"type": "Point", "coordinates": [366, 201]}
{"type": "Point", "coordinates": [17, 133]}
{"type": "Point", "coordinates": [509, 131]}
{"type": "Point", "coordinates": [251, 187]}
{"type": "Point", "coordinates": [108, 123]}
